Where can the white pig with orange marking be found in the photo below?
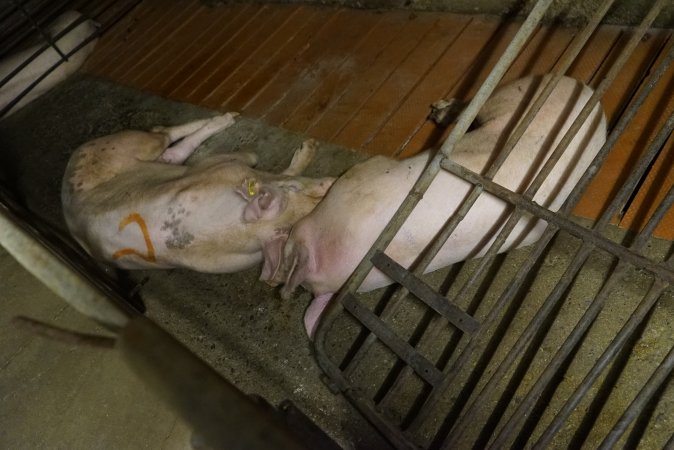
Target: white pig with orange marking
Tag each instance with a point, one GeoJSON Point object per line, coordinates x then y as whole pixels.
{"type": "Point", "coordinates": [129, 200]}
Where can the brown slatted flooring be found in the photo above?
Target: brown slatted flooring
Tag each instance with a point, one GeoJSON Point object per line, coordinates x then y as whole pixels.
{"type": "Point", "coordinates": [365, 79]}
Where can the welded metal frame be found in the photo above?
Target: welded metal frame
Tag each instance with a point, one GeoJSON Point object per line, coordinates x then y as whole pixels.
{"type": "Point", "coordinates": [437, 379]}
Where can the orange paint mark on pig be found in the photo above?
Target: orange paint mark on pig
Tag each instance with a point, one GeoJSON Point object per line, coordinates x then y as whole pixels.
{"type": "Point", "coordinates": [136, 218]}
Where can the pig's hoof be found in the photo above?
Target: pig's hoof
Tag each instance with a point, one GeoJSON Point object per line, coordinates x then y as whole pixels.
{"type": "Point", "coordinates": [445, 112]}
{"type": "Point", "coordinates": [223, 121]}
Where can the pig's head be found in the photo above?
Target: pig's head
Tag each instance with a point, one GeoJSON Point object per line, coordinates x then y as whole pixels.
{"type": "Point", "coordinates": [275, 203]}
{"type": "Point", "coordinates": [289, 262]}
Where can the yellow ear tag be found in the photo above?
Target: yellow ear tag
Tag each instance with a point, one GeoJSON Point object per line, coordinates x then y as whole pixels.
{"type": "Point", "coordinates": [251, 188]}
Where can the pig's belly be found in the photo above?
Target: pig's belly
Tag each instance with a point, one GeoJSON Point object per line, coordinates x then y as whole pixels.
{"type": "Point", "coordinates": [472, 238]}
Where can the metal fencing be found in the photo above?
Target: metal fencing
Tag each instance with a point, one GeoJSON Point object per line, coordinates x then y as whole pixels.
{"type": "Point", "coordinates": [465, 396]}
{"type": "Point", "coordinates": [22, 21]}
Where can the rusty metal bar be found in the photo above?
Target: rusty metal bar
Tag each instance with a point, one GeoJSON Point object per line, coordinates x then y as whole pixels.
{"type": "Point", "coordinates": [565, 223]}
{"type": "Point", "coordinates": [583, 253]}
{"type": "Point", "coordinates": [389, 431]}
{"type": "Point", "coordinates": [628, 329]}
{"type": "Point", "coordinates": [437, 302]}
{"type": "Point", "coordinates": [405, 351]}
{"type": "Point", "coordinates": [565, 141]}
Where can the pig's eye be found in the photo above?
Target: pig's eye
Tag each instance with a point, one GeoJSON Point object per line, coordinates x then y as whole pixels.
{"type": "Point", "coordinates": [252, 188]}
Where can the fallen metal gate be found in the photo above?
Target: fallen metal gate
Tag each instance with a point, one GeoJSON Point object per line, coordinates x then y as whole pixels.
{"type": "Point", "coordinates": [462, 395]}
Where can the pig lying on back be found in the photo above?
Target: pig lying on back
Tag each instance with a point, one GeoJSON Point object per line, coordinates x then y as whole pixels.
{"type": "Point", "coordinates": [325, 247]}
{"type": "Point", "coordinates": [128, 200]}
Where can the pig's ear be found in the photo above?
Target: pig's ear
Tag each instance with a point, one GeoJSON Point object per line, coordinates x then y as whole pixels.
{"type": "Point", "coordinates": [272, 254]}
{"type": "Point", "coordinates": [266, 205]}
{"type": "Point", "coordinates": [299, 265]}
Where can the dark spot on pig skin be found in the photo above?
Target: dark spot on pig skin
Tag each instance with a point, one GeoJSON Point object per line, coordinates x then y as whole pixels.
{"type": "Point", "coordinates": [179, 238]}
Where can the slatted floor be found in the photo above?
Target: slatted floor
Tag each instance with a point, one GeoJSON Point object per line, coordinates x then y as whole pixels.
{"type": "Point", "coordinates": [365, 79]}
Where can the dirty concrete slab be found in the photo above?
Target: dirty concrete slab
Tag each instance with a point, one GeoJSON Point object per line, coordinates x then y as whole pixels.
{"type": "Point", "coordinates": [237, 324]}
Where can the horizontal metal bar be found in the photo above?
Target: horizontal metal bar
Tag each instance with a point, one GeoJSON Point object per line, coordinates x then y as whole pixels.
{"type": "Point", "coordinates": [440, 304]}
{"type": "Point", "coordinates": [388, 430]}
{"type": "Point", "coordinates": [564, 63]}
{"type": "Point", "coordinates": [417, 269]}
{"type": "Point", "coordinates": [57, 274]}
{"type": "Point", "coordinates": [405, 351]}
{"type": "Point", "coordinates": [567, 206]}
{"type": "Point", "coordinates": [562, 222]}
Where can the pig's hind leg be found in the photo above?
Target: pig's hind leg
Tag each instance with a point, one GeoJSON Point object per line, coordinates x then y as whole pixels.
{"type": "Point", "coordinates": [302, 157]}
{"type": "Point", "coordinates": [191, 135]}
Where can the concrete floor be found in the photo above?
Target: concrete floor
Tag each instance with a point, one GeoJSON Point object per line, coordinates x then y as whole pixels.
{"type": "Point", "coordinates": [59, 396]}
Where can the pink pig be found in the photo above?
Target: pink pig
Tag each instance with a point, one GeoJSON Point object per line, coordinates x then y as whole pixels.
{"type": "Point", "coordinates": [129, 200]}
{"type": "Point", "coordinates": [325, 247]}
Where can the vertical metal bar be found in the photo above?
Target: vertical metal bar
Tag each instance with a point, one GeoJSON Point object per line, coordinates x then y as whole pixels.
{"type": "Point", "coordinates": [565, 141]}
{"type": "Point", "coordinates": [44, 75]}
{"type": "Point", "coordinates": [465, 119]}
{"type": "Point", "coordinates": [405, 209]}
{"type": "Point", "coordinates": [626, 331]}
{"type": "Point", "coordinates": [578, 331]}
{"type": "Point", "coordinates": [40, 30]}
{"type": "Point", "coordinates": [611, 351]}
{"type": "Point", "coordinates": [658, 377]}
{"type": "Point", "coordinates": [579, 259]}
{"type": "Point", "coordinates": [669, 445]}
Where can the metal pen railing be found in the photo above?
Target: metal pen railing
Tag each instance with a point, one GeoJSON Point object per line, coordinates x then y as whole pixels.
{"type": "Point", "coordinates": [411, 361]}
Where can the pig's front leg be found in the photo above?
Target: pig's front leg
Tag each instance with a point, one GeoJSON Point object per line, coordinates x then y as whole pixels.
{"type": "Point", "coordinates": [193, 134]}
{"type": "Point", "coordinates": [302, 158]}
{"type": "Point", "coordinates": [312, 315]}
